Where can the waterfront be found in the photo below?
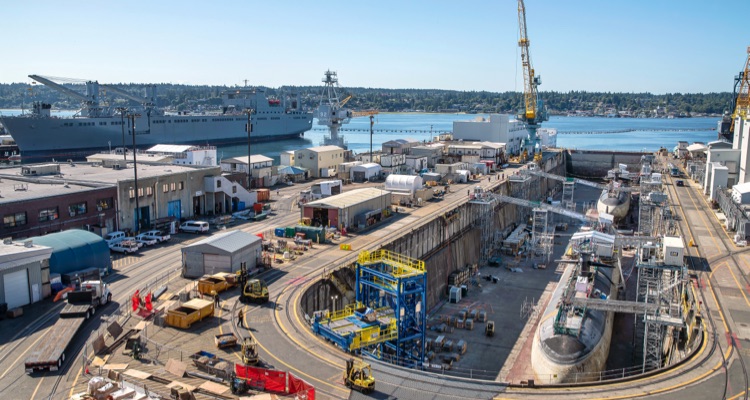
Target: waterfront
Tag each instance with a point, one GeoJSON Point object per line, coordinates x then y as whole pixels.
{"type": "Point", "coordinates": [632, 134]}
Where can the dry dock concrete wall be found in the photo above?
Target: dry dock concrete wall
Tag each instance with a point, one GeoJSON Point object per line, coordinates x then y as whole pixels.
{"type": "Point", "coordinates": [450, 240]}
{"type": "Point", "coordinates": [594, 164]}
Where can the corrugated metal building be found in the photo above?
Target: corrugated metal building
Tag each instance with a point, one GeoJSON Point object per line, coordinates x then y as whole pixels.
{"type": "Point", "coordinates": [357, 208]}
{"type": "Point", "coordinates": [76, 250]}
{"type": "Point", "coordinates": [24, 273]}
{"type": "Point", "coordinates": [223, 252]}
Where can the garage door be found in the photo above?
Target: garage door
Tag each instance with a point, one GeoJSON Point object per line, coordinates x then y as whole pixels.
{"type": "Point", "coordinates": [213, 263]}
{"type": "Point", "coordinates": [16, 286]}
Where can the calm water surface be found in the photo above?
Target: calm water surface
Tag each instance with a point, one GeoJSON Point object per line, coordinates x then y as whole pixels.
{"type": "Point", "coordinates": [647, 134]}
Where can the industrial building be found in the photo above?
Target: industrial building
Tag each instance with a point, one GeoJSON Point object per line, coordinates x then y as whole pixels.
{"type": "Point", "coordinates": [24, 273]}
{"type": "Point", "coordinates": [498, 128]}
{"type": "Point", "coordinates": [400, 146]}
{"type": "Point", "coordinates": [76, 250]}
{"type": "Point", "coordinates": [223, 252]}
{"type": "Point", "coordinates": [365, 172]}
{"type": "Point", "coordinates": [261, 169]}
{"type": "Point", "coordinates": [355, 209]}
{"type": "Point", "coordinates": [163, 192]}
{"type": "Point", "coordinates": [321, 161]}
{"type": "Point", "coordinates": [37, 200]}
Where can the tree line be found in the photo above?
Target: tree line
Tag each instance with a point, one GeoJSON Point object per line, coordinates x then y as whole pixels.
{"type": "Point", "coordinates": [189, 97]}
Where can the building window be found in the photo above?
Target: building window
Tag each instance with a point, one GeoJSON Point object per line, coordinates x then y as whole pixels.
{"type": "Point", "coordinates": [48, 214]}
{"type": "Point", "coordinates": [104, 204]}
{"type": "Point", "coordinates": [218, 183]}
{"type": "Point", "coordinates": [234, 189]}
{"type": "Point", "coordinates": [13, 220]}
{"type": "Point", "coordinates": [182, 185]}
{"type": "Point", "coordinates": [165, 187]}
{"type": "Point", "coordinates": [131, 193]}
{"type": "Point", "coordinates": [140, 192]}
{"type": "Point", "coordinates": [77, 209]}
{"type": "Point", "coordinates": [173, 186]}
{"type": "Point", "coordinates": [149, 191]}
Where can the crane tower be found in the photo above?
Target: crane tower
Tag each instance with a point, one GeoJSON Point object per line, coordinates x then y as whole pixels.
{"type": "Point", "coordinates": [534, 112]}
{"type": "Point", "coordinates": [331, 111]}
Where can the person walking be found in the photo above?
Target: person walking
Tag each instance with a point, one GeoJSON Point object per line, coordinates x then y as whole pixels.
{"type": "Point", "coordinates": [240, 321]}
{"type": "Point", "coordinates": [217, 301]}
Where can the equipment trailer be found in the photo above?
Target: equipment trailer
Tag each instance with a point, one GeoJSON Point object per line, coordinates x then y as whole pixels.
{"type": "Point", "coordinates": [50, 353]}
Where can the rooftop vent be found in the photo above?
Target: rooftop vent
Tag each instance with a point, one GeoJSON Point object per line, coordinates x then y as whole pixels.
{"type": "Point", "coordinates": [29, 243]}
{"type": "Point", "coordinates": [20, 187]}
{"type": "Point", "coordinates": [8, 240]}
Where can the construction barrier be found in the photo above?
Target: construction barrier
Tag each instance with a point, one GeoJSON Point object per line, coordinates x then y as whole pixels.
{"type": "Point", "coordinates": [275, 381]}
{"type": "Point", "coordinates": [344, 246]}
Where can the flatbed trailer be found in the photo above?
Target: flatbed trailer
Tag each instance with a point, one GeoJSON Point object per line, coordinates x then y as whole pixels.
{"type": "Point", "coordinates": [49, 354]}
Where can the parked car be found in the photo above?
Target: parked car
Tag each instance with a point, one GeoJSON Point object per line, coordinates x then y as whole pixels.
{"type": "Point", "coordinates": [158, 235]}
{"type": "Point", "coordinates": [147, 241]}
{"type": "Point", "coordinates": [125, 246]}
{"type": "Point", "coordinates": [194, 227]}
{"type": "Point", "coordinates": [114, 237]}
{"type": "Point", "coordinates": [680, 183]}
{"type": "Point", "coordinates": [133, 239]}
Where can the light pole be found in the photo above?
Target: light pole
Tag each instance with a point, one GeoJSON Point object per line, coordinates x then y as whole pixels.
{"type": "Point", "coordinates": [333, 299]}
{"type": "Point", "coordinates": [372, 157]}
{"type": "Point", "coordinates": [249, 129]}
{"type": "Point", "coordinates": [122, 110]}
{"type": "Point", "coordinates": [132, 118]}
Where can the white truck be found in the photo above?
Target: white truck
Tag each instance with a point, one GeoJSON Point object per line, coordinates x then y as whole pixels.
{"type": "Point", "coordinates": [82, 304]}
{"type": "Point", "coordinates": [125, 246]}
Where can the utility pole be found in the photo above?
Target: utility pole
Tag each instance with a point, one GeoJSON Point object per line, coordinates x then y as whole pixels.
{"type": "Point", "coordinates": [372, 156]}
{"type": "Point", "coordinates": [249, 129]}
{"type": "Point", "coordinates": [122, 110]}
{"type": "Point", "coordinates": [132, 118]}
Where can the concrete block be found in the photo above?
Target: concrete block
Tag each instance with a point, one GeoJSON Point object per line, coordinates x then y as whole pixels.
{"type": "Point", "coordinates": [14, 313]}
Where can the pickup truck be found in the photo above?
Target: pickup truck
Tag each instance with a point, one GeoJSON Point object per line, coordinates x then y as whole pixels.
{"type": "Point", "coordinates": [145, 240]}
{"type": "Point", "coordinates": [125, 246]}
{"type": "Point", "coordinates": [158, 235]}
{"type": "Point", "coordinates": [82, 304]}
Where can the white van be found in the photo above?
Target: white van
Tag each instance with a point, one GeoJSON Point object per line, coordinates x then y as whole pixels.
{"type": "Point", "coordinates": [115, 237]}
{"type": "Point", "coordinates": [194, 226]}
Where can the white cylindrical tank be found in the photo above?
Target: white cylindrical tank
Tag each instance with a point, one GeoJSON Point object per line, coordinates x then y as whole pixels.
{"type": "Point", "coordinates": [403, 183]}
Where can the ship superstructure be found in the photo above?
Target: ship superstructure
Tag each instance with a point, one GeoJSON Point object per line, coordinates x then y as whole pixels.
{"type": "Point", "coordinates": [97, 126]}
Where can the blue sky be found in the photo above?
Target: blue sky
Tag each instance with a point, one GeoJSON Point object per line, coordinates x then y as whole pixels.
{"type": "Point", "coordinates": [657, 46]}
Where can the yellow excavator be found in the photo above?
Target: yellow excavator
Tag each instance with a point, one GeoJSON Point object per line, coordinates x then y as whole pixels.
{"type": "Point", "coordinates": [254, 291]}
{"type": "Point", "coordinates": [358, 376]}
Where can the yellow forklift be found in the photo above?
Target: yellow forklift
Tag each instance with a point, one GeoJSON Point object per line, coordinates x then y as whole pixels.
{"type": "Point", "coordinates": [254, 291]}
{"type": "Point", "coordinates": [358, 376]}
{"type": "Point", "coordinates": [249, 352]}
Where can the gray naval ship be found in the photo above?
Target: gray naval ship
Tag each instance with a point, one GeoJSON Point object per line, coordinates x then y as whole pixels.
{"type": "Point", "coordinates": [97, 127]}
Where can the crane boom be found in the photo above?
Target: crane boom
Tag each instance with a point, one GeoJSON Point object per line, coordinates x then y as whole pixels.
{"type": "Point", "coordinates": [123, 93]}
{"type": "Point", "coordinates": [584, 182]}
{"type": "Point", "coordinates": [72, 93]}
{"type": "Point", "coordinates": [742, 108]}
{"type": "Point", "coordinates": [529, 88]}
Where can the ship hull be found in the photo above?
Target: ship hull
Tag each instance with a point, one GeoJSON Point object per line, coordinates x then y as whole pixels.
{"type": "Point", "coordinates": [617, 206]}
{"type": "Point", "coordinates": [77, 137]}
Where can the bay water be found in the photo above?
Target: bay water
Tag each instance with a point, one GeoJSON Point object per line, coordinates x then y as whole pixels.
{"type": "Point", "coordinates": [624, 134]}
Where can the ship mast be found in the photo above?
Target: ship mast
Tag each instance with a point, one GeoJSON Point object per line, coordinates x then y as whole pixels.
{"type": "Point", "coordinates": [90, 101]}
{"type": "Point", "coordinates": [331, 112]}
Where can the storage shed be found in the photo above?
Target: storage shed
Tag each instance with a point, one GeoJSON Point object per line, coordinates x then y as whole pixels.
{"type": "Point", "coordinates": [76, 250]}
{"type": "Point", "coordinates": [403, 183]}
{"type": "Point", "coordinates": [357, 209]}
{"type": "Point", "coordinates": [24, 273]}
{"type": "Point", "coordinates": [223, 252]}
{"type": "Point", "coordinates": [365, 172]}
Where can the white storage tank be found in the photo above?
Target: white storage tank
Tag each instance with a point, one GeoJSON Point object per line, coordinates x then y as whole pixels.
{"type": "Point", "coordinates": [403, 183]}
